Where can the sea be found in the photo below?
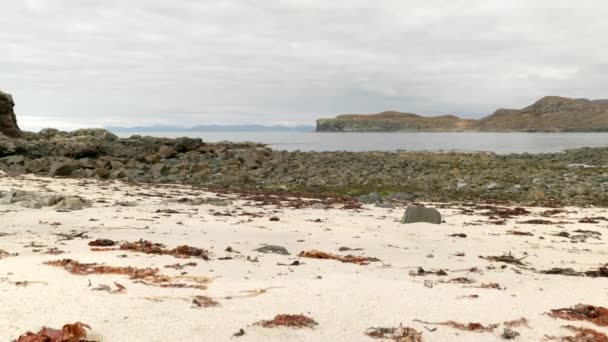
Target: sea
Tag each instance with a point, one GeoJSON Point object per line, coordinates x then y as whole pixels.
{"type": "Point", "coordinates": [500, 143]}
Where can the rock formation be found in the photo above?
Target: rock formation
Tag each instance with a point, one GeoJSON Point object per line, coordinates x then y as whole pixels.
{"type": "Point", "coordinates": [549, 114]}
{"type": "Point", "coordinates": [8, 121]}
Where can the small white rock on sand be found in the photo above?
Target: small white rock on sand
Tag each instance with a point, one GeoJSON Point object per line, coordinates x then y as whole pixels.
{"type": "Point", "coordinates": [345, 299]}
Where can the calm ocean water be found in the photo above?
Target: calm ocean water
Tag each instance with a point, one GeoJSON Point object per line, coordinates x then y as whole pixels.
{"type": "Point", "coordinates": [501, 143]}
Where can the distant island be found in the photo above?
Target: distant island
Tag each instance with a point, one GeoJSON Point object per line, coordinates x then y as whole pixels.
{"type": "Point", "coordinates": [211, 128]}
{"type": "Point", "coordinates": [549, 114]}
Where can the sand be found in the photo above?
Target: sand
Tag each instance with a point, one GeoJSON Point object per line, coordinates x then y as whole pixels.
{"type": "Point", "coordinates": [344, 299]}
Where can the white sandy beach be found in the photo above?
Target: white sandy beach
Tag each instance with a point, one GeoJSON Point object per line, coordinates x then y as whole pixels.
{"type": "Point", "coordinates": [344, 299]}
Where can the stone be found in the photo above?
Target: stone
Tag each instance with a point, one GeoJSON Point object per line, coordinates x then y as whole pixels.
{"type": "Point", "coordinates": [99, 133]}
{"type": "Point", "coordinates": [318, 206]}
{"type": "Point", "coordinates": [158, 169]}
{"type": "Point", "coordinates": [35, 165]}
{"type": "Point", "coordinates": [12, 160]}
{"type": "Point", "coordinates": [414, 214]}
{"type": "Point", "coordinates": [371, 198]}
{"type": "Point", "coordinates": [61, 169]}
{"type": "Point", "coordinates": [166, 152]}
{"type": "Point", "coordinates": [8, 120]}
{"type": "Point", "coordinates": [272, 250]}
{"type": "Point", "coordinates": [71, 203]}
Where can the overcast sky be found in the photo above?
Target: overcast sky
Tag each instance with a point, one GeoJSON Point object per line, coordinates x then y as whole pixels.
{"type": "Point", "coordinates": [139, 62]}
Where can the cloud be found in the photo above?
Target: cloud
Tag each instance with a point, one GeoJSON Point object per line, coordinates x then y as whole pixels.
{"type": "Point", "coordinates": [135, 62]}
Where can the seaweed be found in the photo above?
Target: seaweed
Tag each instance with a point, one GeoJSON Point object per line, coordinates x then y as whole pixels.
{"type": "Point", "coordinates": [506, 258]}
{"type": "Point", "coordinates": [518, 232]}
{"type": "Point", "coordinates": [583, 312]}
{"type": "Point", "coordinates": [146, 276]}
{"type": "Point", "coordinates": [148, 247]}
{"type": "Point", "coordinates": [398, 334]}
{"type": "Point", "coordinates": [204, 301]}
{"type": "Point", "coordinates": [421, 272]}
{"type": "Point", "coordinates": [582, 335]}
{"type": "Point", "coordinates": [359, 260]}
{"type": "Point", "coordinates": [474, 327]}
{"type": "Point", "coordinates": [290, 321]}
{"type": "Point", "coordinates": [68, 333]}
{"type": "Point", "coordinates": [102, 243]}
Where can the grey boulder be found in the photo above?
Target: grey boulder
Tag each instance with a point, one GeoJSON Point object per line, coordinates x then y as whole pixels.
{"type": "Point", "coordinates": [415, 214]}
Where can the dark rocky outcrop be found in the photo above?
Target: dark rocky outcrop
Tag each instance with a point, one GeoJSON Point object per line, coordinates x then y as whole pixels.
{"type": "Point", "coordinates": [576, 177]}
{"type": "Point", "coordinates": [8, 121]}
{"type": "Point", "coordinates": [549, 114]}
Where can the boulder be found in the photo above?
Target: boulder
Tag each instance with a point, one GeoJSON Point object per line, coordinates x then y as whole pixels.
{"type": "Point", "coordinates": [61, 169]}
{"type": "Point", "coordinates": [98, 133]}
{"type": "Point", "coordinates": [415, 214]}
{"type": "Point", "coordinates": [166, 152]}
{"type": "Point", "coordinates": [272, 250]}
{"type": "Point", "coordinates": [8, 120]}
{"type": "Point", "coordinates": [372, 198]}
{"type": "Point", "coordinates": [71, 203]}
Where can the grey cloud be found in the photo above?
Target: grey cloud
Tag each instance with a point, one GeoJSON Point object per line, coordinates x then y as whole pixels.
{"type": "Point", "coordinates": [75, 62]}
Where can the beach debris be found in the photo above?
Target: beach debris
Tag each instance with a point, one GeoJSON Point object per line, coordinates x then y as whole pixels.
{"type": "Point", "coordinates": [398, 334]}
{"type": "Point", "coordinates": [519, 232]}
{"type": "Point", "coordinates": [348, 249]}
{"type": "Point", "coordinates": [23, 283]}
{"type": "Point", "coordinates": [491, 286]}
{"type": "Point", "coordinates": [522, 322]}
{"type": "Point", "coordinates": [602, 271]}
{"type": "Point", "coordinates": [179, 266]}
{"type": "Point", "coordinates": [239, 333]}
{"type": "Point", "coordinates": [102, 243]}
{"type": "Point", "coordinates": [271, 249]}
{"type": "Point", "coordinates": [53, 251]}
{"type": "Point", "coordinates": [501, 212]}
{"type": "Point", "coordinates": [72, 235]}
{"type": "Point", "coordinates": [539, 221]}
{"type": "Point", "coordinates": [290, 321]}
{"type": "Point", "coordinates": [103, 287]}
{"type": "Point", "coordinates": [474, 327]}
{"type": "Point", "coordinates": [595, 219]}
{"type": "Point", "coordinates": [146, 276]}
{"type": "Point", "coordinates": [583, 312]}
{"type": "Point", "coordinates": [421, 272]}
{"type": "Point", "coordinates": [461, 280]}
{"type": "Point", "coordinates": [459, 235]}
{"type": "Point", "coordinates": [148, 247]}
{"type": "Point", "coordinates": [509, 334]}
{"type": "Point", "coordinates": [295, 263]}
{"type": "Point", "coordinates": [352, 259]}
{"type": "Point", "coordinates": [274, 219]}
{"type": "Point", "coordinates": [506, 258]}
{"type": "Point", "coordinates": [68, 333]}
{"type": "Point", "coordinates": [551, 212]}
{"type": "Point", "coordinates": [582, 335]}
{"type": "Point", "coordinates": [204, 302]}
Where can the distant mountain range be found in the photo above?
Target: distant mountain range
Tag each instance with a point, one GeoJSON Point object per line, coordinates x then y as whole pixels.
{"type": "Point", "coordinates": [549, 114]}
{"type": "Point", "coordinates": [211, 128]}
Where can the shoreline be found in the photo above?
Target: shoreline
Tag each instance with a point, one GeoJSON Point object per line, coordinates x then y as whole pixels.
{"type": "Point", "coordinates": [250, 286]}
{"type": "Point", "coordinates": [573, 177]}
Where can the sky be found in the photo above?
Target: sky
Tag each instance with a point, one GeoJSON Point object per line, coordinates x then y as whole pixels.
{"type": "Point", "coordinates": [80, 63]}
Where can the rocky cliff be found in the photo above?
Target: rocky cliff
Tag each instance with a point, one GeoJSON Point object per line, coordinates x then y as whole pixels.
{"type": "Point", "coordinates": [393, 122]}
{"type": "Point", "coordinates": [8, 121]}
{"type": "Point", "coordinates": [549, 114]}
